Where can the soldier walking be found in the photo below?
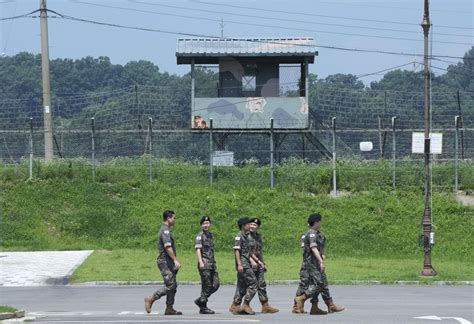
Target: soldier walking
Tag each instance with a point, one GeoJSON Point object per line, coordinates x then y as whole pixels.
{"type": "Point", "coordinates": [168, 265]}
{"type": "Point", "coordinates": [325, 294]}
{"type": "Point", "coordinates": [312, 277]}
{"type": "Point", "coordinates": [260, 267]}
{"type": "Point", "coordinates": [206, 265]}
{"type": "Point", "coordinates": [247, 284]}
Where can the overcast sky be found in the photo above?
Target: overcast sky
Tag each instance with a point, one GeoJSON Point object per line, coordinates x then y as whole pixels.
{"type": "Point", "coordinates": [380, 25]}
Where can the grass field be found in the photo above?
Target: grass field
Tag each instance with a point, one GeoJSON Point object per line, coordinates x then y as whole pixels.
{"type": "Point", "coordinates": [138, 265]}
{"type": "Point", "coordinates": [372, 232]}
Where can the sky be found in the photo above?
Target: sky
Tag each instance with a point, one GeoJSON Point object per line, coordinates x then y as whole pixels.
{"type": "Point", "coordinates": [375, 25]}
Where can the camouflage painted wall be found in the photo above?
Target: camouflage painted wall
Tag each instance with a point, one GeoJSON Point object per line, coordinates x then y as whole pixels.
{"type": "Point", "coordinates": [250, 112]}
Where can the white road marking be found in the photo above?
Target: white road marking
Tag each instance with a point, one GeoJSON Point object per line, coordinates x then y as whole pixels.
{"type": "Point", "coordinates": [437, 318]}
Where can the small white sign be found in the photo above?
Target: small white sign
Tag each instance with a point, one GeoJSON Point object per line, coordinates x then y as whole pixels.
{"type": "Point", "coordinates": [223, 158]}
{"type": "Point", "coordinates": [436, 143]}
{"type": "Point", "coordinates": [366, 146]}
{"type": "Point", "coordinates": [46, 109]}
{"type": "Point", "coordinates": [418, 143]}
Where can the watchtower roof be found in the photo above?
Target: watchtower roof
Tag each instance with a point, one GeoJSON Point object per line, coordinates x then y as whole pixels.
{"type": "Point", "coordinates": [209, 50]}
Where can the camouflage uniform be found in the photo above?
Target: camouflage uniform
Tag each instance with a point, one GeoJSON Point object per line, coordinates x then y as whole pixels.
{"type": "Point", "coordinates": [166, 265]}
{"type": "Point", "coordinates": [311, 281]}
{"type": "Point", "coordinates": [247, 284]}
{"type": "Point", "coordinates": [209, 275]}
{"type": "Point", "coordinates": [259, 272]}
{"type": "Point", "coordinates": [321, 241]}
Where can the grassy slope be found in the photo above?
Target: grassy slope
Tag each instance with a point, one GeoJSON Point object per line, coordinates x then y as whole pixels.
{"type": "Point", "coordinates": [372, 233]}
{"type": "Point", "coordinates": [58, 214]}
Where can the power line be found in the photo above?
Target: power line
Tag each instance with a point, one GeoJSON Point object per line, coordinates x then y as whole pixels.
{"type": "Point", "coordinates": [318, 15]}
{"type": "Point", "coordinates": [359, 50]}
{"type": "Point", "coordinates": [465, 73]}
{"type": "Point", "coordinates": [7, 38]}
{"type": "Point", "coordinates": [256, 40]}
{"type": "Point", "coordinates": [277, 19]}
{"type": "Point", "coordinates": [456, 65]}
{"type": "Point", "coordinates": [384, 70]}
{"type": "Point", "coordinates": [20, 16]}
{"type": "Point", "coordinates": [373, 5]}
{"type": "Point", "coordinates": [272, 26]}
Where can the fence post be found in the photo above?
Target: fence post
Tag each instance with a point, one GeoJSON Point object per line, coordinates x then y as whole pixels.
{"type": "Point", "coordinates": [211, 167]}
{"type": "Point", "coordinates": [460, 124]}
{"type": "Point", "coordinates": [272, 147]}
{"type": "Point", "coordinates": [150, 148]}
{"type": "Point", "coordinates": [334, 174]}
{"type": "Point", "coordinates": [30, 167]}
{"type": "Point", "coordinates": [394, 154]}
{"type": "Point", "coordinates": [456, 154]}
{"type": "Point", "coordinates": [381, 139]}
{"type": "Point", "coordinates": [93, 146]}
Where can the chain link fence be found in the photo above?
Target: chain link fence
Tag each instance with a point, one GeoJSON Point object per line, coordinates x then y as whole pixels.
{"type": "Point", "coordinates": [150, 128]}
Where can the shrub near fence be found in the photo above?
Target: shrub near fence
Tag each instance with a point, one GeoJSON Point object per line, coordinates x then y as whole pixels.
{"type": "Point", "coordinates": [292, 174]}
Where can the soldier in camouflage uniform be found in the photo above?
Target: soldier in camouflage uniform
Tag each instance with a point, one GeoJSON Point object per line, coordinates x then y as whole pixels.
{"type": "Point", "coordinates": [206, 265]}
{"type": "Point", "coordinates": [247, 284]}
{"type": "Point", "coordinates": [168, 265]}
{"type": "Point", "coordinates": [261, 267]}
{"type": "Point", "coordinates": [332, 308]}
{"type": "Point", "coordinates": [312, 271]}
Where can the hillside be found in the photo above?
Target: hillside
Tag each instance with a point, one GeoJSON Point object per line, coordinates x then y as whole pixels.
{"type": "Point", "coordinates": [63, 209]}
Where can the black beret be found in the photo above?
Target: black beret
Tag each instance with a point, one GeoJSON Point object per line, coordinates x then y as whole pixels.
{"type": "Point", "coordinates": [256, 221]}
{"type": "Point", "coordinates": [314, 218]}
{"type": "Point", "coordinates": [243, 221]}
{"type": "Point", "coordinates": [205, 218]}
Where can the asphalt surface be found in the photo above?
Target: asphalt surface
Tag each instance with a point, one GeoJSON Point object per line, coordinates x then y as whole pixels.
{"type": "Point", "coordinates": [124, 304]}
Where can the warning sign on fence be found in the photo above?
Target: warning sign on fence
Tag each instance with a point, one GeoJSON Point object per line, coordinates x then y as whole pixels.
{"type": "Point", "coordinates": [223, 158]}
{"type": "Point", "coordinates": [418, 143]}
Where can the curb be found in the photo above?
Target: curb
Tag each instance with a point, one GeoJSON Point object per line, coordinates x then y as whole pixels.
{"type": "Point", "coordinates": [19, 320]}
{"type": "Point", "coordinates": [286, 283]}
{"type": "Point", "coordinates": [12, 315]}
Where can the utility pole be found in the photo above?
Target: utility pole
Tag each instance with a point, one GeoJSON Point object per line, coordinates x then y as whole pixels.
{"type": "Point", "coordinates": [427, 225]}
{"type": "Point", "coordinates": [47, 111]}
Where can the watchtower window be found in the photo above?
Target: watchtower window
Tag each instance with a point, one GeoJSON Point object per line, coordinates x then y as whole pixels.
{"type": "Point", "coordinates": [249, 83]}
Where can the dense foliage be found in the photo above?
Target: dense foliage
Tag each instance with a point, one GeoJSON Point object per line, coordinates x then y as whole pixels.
{"type": "Point", "coordinates": [20, 76]}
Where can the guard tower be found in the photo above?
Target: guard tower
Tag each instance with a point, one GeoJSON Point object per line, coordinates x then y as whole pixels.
{"type": "Point", "coordinates": [244, 83]}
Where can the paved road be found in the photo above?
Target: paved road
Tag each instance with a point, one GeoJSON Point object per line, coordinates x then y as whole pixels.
{"type": "Point", "coordinates": [39, 268]}
{"type": "Point", "coordinates": [124, 304]}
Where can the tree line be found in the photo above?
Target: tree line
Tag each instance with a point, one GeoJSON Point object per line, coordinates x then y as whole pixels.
{"type": "Point", "coordinates": [20, 76]}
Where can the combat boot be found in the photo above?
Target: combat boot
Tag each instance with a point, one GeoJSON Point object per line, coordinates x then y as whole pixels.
{"type": "Point", "coordinates": [246, 309]}
{"type": "Point", "coordinates": [315, 310]}
{"type": "Point", "coordinates": [203, 307]}
{"type": "Point", "coordinates": [266, 308]}
{"type": "Point", "coordinates": [333, 308]}
{"type": "Point", "coordinates": [235, 309]}
{"type": "Point", "coordinates": [299, 304]}
{"type": "Point", "coordinates": [149, 300]}
{"type": "Point", "coordinates": [206, 310]}
{"type": "Point", "coordinates": [294, 309]}
{"type": "Point", "coordinates": [199, 303]}
{"type": "Point", "coordinates": [171, 311]}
